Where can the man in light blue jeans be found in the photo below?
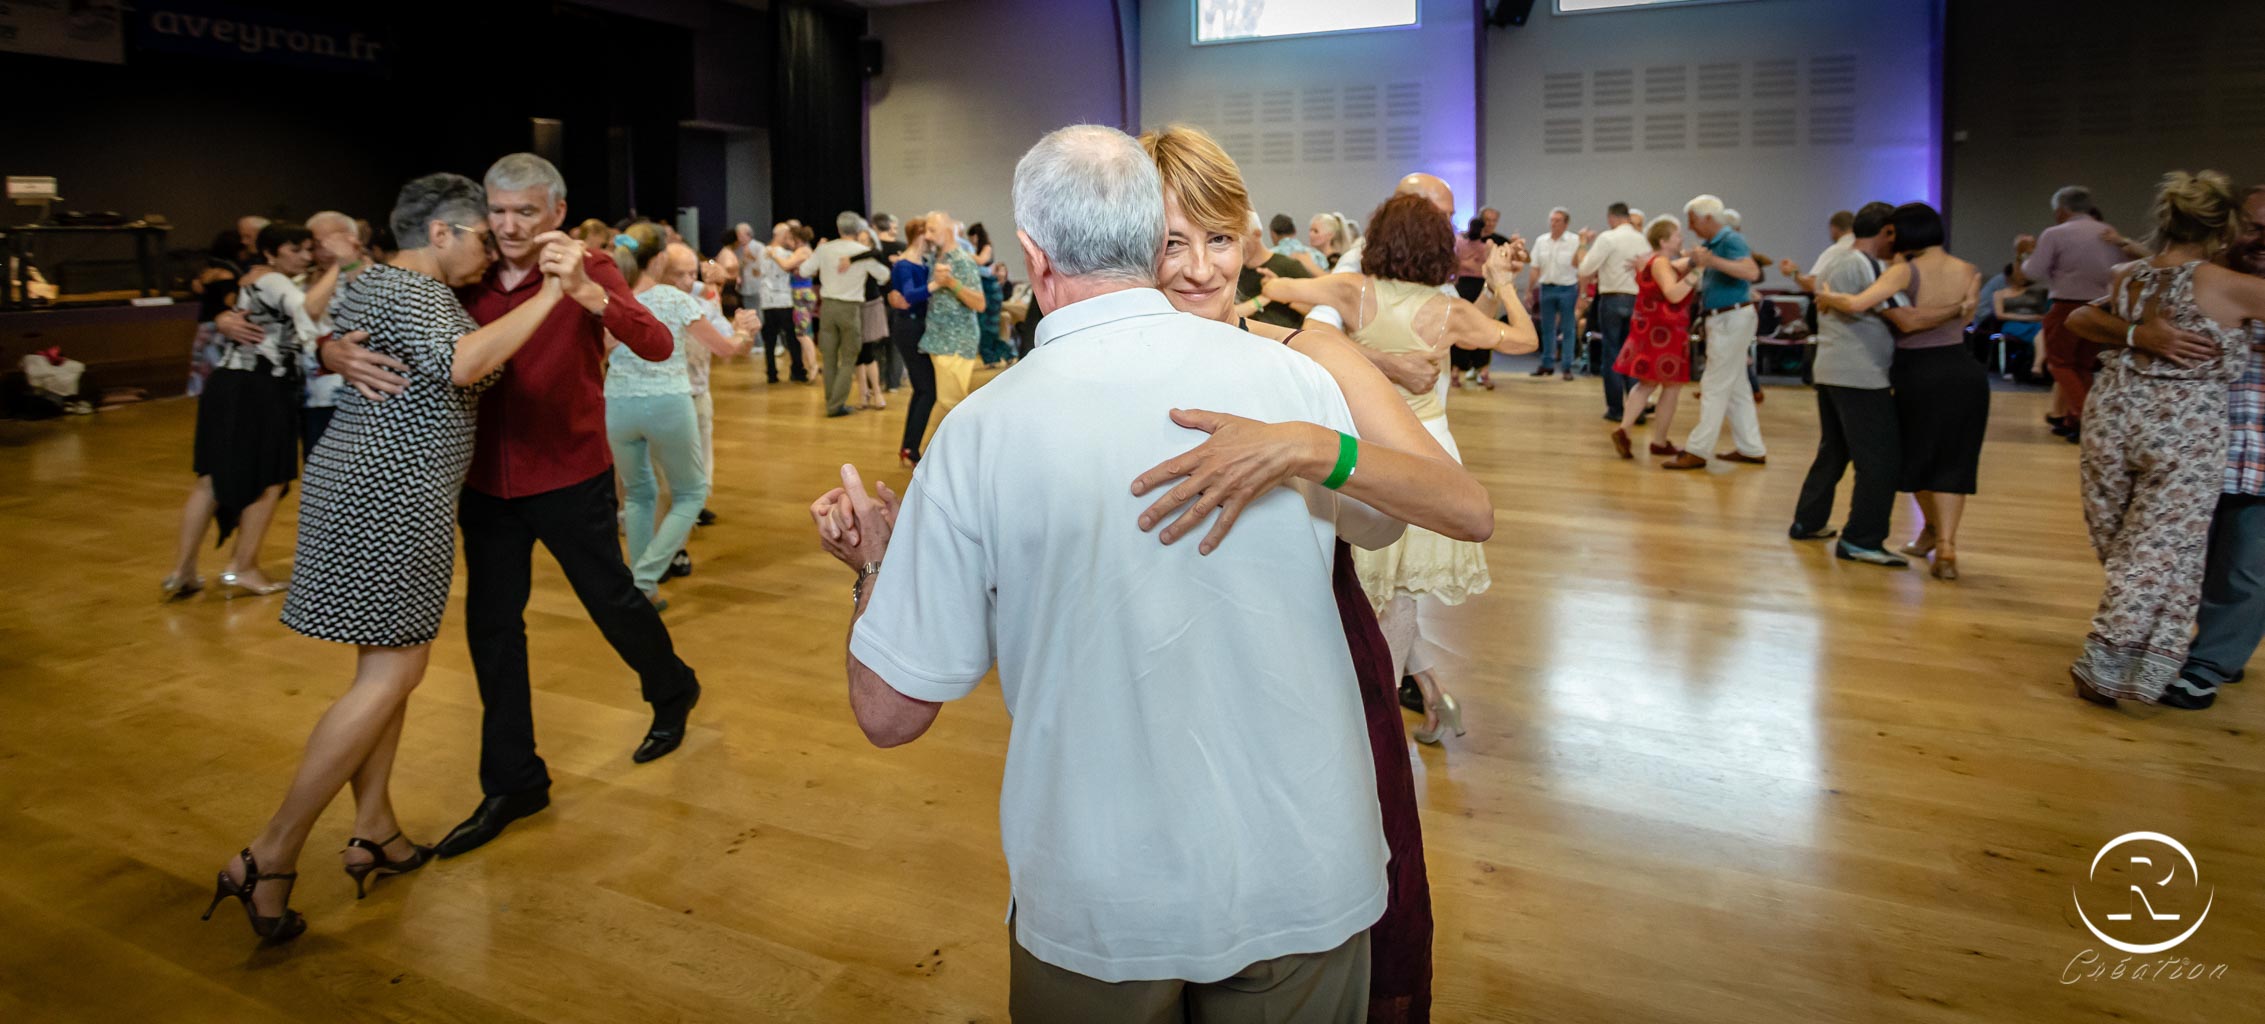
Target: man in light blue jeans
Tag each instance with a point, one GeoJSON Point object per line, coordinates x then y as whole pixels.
{"type": "Point", "coordinates": [1557, 259]}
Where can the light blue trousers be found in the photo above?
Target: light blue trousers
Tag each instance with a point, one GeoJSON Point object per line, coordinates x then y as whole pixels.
{"type": "Point", "coordinates": [658, 430]}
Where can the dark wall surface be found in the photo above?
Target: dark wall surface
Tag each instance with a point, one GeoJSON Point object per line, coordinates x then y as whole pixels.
{"type": "Point", "coordinates": [2046, 93]}
{"type": "Point", "coordinates": [205, 134]}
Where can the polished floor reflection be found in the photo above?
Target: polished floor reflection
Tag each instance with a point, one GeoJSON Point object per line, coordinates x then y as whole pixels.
{"type": "Point", "coordinates": [1712, 775]}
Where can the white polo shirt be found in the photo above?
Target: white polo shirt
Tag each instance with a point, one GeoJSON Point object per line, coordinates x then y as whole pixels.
{"type": "Point", "coordinates": [1188, 787]}
{"type": "Point", "coordinates": [1609, 259]}
{"type": "Point", "coordinates": [1553, 258]}
{"type": "Point", "coordinates": [1845, 243]}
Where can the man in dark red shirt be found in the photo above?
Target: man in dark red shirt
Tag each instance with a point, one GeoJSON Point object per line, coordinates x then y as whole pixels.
{"type": "Point", "coordinates": [541, 471]}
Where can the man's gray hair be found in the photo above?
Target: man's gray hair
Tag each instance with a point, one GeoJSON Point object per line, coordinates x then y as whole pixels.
{"type": "Point", "coordinates": [1736, 220]}
{"type": "Point", "coordinates": [450, 198]}
{"type": "Point", "coordinates": [1635, 216]}
{"type": "Point", "coordinates": [523, 171]}
{"type": "Point", "coordinates": [2073, 198]}
{"type": "Point", "coordinates": [1704, 206]}
{"type": "Point", "coordinates": [1559, 210]}
{"type": "Point", "coordinates": [330, 220]}
{"type": "Point", "coordinates": [1092, 201]}
{"type": "Point", "coordinates": [848, 224]}
{"type": "Point", "coordinates": [884, 222]}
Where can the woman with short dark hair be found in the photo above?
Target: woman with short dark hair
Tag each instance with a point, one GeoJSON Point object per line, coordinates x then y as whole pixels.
{"type": "Point", "coordinates": [377, 531]}
{"type": "Point", "coordinates": [1942, 393]}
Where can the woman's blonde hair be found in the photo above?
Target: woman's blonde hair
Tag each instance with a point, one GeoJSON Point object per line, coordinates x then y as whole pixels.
{"type": "Point", "coordinates": [2196, 209]}
{"type": "Point", "coordinates": [1662, 226]}
{"type": "Point", "coordinates": [1202, 177]}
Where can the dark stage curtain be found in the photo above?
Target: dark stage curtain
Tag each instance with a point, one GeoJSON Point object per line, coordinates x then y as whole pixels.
{"type": "Point", "coordinates": [817, 116]}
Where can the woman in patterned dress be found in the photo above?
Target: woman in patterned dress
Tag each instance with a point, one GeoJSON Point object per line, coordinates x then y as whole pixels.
{"type": "Point", "coordinates": [993, 351]}
{"type": "Point", "coordinates": [2155, 437]}
{"type": "Point", "coordinates": [377, 529]}
{"type": "Point", "coordinates": [1657, 355]}
{"type": "Point", "coordinates": [805, 286]}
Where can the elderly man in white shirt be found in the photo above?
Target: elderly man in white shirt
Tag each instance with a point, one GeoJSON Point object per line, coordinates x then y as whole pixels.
{"type": "Point", "coordinates": [841, 292]}
{"type": "Point", "coordinates": [1556, 263]}
{"type": "Point", "coordinates": [1611, 262]}
{"type": "Point", "coordinates": [1839, 226]}
{"type": "Point", "coordinates": [1188, 808]}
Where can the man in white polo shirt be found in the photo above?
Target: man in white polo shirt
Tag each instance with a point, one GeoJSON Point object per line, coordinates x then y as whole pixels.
{"type": "Point", "coordinates": [1188, 809]}
{"type": "Point", "coordinates": [1611, 261]}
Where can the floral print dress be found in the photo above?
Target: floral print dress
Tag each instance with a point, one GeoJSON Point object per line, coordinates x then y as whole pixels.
{"type": "Point", "coordinates": [2154, 462]}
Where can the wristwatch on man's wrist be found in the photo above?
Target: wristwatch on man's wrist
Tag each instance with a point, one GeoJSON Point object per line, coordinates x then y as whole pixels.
{"type": "Point", "coordinates": [857, 589]}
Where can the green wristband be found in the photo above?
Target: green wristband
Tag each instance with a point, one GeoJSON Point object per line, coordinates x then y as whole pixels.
{"type": "Point", "coordinates": [1348, 456]}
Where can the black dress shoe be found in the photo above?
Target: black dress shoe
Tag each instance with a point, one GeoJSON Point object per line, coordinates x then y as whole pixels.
{"type": "Point", "coordinates": [837, 412]}
{"type": "Point", "coordinates": [1411, 695]}
{"type": "Point", "coordinates": [707, 518]}
{"type": "Point", "coordinates": [487, 823]}
{"type": "Point", "coordinates": [1800, 532]}
{"type": "Point", "coordinates": [679, 564]}
{"type": "Point", "coordinates": [667, 732]}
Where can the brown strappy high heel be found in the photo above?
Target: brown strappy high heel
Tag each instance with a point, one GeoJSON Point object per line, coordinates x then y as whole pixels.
{"type": "Point", "coordinates": [380, 864]}
{"type": "Point", "coordinates": [273, 931]}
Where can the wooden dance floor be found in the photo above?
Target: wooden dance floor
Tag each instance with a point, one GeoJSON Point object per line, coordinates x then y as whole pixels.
{"type": "Point", "coordinates": [1712, 775]}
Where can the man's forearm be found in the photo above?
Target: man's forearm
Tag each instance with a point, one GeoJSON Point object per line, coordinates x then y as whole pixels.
{"type": "Point", "coordinates": [1913, 319]}
{"type": "Point", "coordinates": [887, 717]}
{"type": "Point", "coordinates": [2099, 326]}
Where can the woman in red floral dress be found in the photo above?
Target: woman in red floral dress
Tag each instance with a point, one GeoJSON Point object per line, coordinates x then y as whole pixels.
{"type": "Point", "coordinates": [1657, 355]}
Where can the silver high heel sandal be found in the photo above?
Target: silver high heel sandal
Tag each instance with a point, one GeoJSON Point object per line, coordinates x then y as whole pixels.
{"type": "Point", "coordinates": [177, 587]}
{"type": "Point", "coordinates": [1450, 718]}
{"type": "Point", "coordinates": [230, 587]}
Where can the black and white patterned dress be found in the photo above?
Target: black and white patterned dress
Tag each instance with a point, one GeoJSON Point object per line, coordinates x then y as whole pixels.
{"type": "Point", "coordinates": [377, 512]}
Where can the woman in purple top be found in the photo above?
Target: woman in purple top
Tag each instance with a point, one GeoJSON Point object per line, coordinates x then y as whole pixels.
{"type": "Point", "coordinates": [1942, 395]}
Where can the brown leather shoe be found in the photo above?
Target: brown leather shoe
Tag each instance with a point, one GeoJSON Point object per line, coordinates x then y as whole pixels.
{"type": "Point", "coordinates": [1751, 460]}
{"type": "Point", "coordinates": [1686, 460]}
{"type": "Point", "coordinates": [1665, 449]}
{"type": "Point", "coordinates": [1621, 444]}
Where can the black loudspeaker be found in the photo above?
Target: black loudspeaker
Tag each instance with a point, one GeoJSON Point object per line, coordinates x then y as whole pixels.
{"type": "Point", "coordinates": [869, 56]}
{"type": "Point", "coordinates": [1508, 12]}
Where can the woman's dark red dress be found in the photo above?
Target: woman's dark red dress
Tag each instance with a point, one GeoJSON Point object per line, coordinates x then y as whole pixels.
{"type": "Point", "coordinates": [1399, 986]}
